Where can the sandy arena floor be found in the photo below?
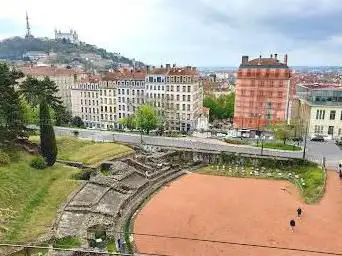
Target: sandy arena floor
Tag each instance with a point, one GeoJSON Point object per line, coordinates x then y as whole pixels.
{"type": "Point", "coordinates": [238, 210]}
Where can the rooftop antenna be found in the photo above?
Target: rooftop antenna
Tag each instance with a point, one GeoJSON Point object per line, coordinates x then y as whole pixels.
{"type": "Point", "coordinates": [28, 28]}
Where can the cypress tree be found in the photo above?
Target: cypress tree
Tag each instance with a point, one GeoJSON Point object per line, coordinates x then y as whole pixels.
{"type": "Point", "coordinates": [47, 134]}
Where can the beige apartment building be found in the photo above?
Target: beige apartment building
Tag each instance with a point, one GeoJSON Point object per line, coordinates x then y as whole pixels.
{"type": "Point", "coordinates": [319, 107]}
{"type": "Point", "coordinates": [176, 93]}
{"type": "Point", "coordinates": [102, 100]}
{"type": "Point", "coordinates": [64, 78]}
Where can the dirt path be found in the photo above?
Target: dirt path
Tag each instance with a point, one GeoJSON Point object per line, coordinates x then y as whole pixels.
{"type": "Point", "coordinates": [239, 210]}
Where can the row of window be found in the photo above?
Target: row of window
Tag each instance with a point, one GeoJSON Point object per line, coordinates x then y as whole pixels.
{"type": "Point", "coordinates": [264, 83]}
{"type": "Point", "coordinates": [169, 88]}
{"type": "Point", "coordinates": [109, 101]}
{"type": "Point", "coordinates": [133, 100]}
{"type": "Point", "coordinates": [103, 108]}
{"type": "Point", "coordinates": [172, 79]}
{"type": "Point", "coordinates": [96, 86]}
{"type": "Point", "coordinates": [320, 114]}
{"type": "Point", "coordinates": [122, 91]}
{"type": "Point", "coordinates": [319, 129]}
{"type": "Point", "coordinates": [260, 93]}
{"type": "Point", "coordinates": [123, 108]}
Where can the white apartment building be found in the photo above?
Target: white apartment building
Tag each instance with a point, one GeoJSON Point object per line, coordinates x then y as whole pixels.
{"type": "Point", "coordinates": [319, 106]}
{"type": "Point", "coordinates": [176, 93]}
{"type": "Point", "coordinates": [64, 78]}
{"type": "Point", "coordinates": [102, 101]}
{"type": "Point", "coordinates": [94, 100]}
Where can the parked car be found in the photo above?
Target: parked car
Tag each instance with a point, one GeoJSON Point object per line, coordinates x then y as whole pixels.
{"type": "Point", "coordinates": [318, 138]}
{"type": "Point", "coordinates": [338, 141]}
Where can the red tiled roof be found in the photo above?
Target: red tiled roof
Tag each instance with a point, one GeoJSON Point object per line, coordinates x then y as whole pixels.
{"type": "Point", "coordinates": [48, 71]}
{"type": "Point", "coordinates": [125, 74]}
{"type": "Point", "coordinates": [174, 71]}
{"type": "Point", "coordinates": [265, 61]}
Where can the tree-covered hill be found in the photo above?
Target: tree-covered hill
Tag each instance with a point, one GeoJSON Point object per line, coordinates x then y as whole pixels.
{"type": "Point", "coordinates": [14, 48]}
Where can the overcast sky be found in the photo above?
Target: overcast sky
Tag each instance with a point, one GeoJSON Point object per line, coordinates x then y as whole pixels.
{"type": "Point", "coordinates": [190, 32]}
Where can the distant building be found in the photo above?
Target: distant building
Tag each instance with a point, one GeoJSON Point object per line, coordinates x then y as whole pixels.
{"type": "Point", "coordinates": [71, 36]}
{"type": "Point", "coordinates": [63, 77]}
{"type": "Point", "coordinates": [262, 92]}
{"type": "Point", "coordinates": [319, 107]}
{"type": "Point", "coordinates": [35, 55]}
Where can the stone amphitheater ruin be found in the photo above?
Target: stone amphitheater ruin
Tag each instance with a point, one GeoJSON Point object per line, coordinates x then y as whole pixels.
{"type": "Point", "coordinates": [109, 201]}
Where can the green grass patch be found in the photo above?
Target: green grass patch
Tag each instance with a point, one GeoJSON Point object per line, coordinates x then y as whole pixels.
{"type": "Point", "coordinates": [85, 151]}
{"type": "Point", "coordinates": [312, 175]}
{"type": "Point", "coordinates": [111, 246]}
{"type": "Point", "coordinates": [280, 146]}
{"type": "Point", "coordinates": [30, 198]}
{"type": "Point", "coordinates": [67, 242]}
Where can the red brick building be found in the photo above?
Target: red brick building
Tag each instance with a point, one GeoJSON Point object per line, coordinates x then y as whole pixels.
{"type": "Point", "coordinates": [263, 92]}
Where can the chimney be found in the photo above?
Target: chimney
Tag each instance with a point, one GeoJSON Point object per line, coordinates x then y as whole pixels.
{"type": "Point", "coordinates": [244, 59]}
{"type": "Point", "coordinates": [275, 56]}
{"type": "Point", "coordinates": [161, 66]}
{"type": "Point", "coordinates": [271, 56]}
{"type": "Point", "coordinates": [153, 67]}
{"type": "Point", "coordinates": [285, 59]}
{"type": "Point", "coordinates": [148, 68]}
{"type": "Point", "coordinates": [174, 65]}
{"type": "Point", "coordinates": [168, 66]}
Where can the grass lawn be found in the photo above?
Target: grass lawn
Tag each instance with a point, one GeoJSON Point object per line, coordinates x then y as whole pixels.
{"type": "Point", "coordinates": [279, 145]}
{"type": "Point", "coordinates": [30, 198]}
{"type": "Point", "coordinates": [85, 151]}
{"type": "Point", "coordinates": [313, 177]}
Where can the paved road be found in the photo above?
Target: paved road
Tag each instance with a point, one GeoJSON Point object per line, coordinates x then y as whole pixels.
{"type": "Point", "coordinates": [315, 150]}
{"type": "Point", "coordinates": [183, 142]}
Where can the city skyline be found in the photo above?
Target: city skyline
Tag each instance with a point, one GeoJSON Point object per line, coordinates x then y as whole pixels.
{"type": "Point", "coordinates": [199, 33]}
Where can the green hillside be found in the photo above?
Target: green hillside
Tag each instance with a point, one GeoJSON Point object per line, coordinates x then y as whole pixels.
{"type": "Point", "coordinates": [14, 48]}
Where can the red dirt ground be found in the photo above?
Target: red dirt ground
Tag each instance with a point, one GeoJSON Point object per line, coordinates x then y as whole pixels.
{"type": "Point", "coordinates": [238, 210]}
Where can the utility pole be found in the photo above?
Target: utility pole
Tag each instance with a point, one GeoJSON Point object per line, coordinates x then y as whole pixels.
{"type": "Point", "coordinates": [306, 135]}
{"type": "Point", "coordinates": [262, 145]}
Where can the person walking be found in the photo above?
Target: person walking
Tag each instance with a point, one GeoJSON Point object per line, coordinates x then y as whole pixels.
{"type": "Point", "coordinates": [292, 224]}
{"type": "Point", "coordinates": [340, 174]}
{"type": "Point", "coordinates": [299, 212]}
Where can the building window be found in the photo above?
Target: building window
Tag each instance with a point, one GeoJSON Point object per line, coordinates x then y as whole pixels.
{"type": "Point", "coordinates": [82, 104]}
{"type": "Point", "coordinates": [184, 97]}
{"type": "Point", "coordinates": [332, 114]}
{"type": "Point", "coordinates": [188, 107]}
{"type": "Point", "coordinates": [177, 88]}
{"type": "Point", "coordinates": [183, 107]}
{"type": "Point", "coordinates": [318, 129]}
{"type": "Point", "coordinates": [189, 88]}
{"type": "Point", "coordinates": [320, 114]}
{"type": "Point", "coordinates": [177, 106]}
{"type": "Point", "coordinates": [184, 88]}
{"type": "Point", "coordinates": [331, 130]}
{"type": "Point", "coordinates": [177, 97]}
{"type": "Point", "coordinates": [189, 98]}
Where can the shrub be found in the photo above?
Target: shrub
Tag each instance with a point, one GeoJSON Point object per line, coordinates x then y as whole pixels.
{"type": "Point", "coordinates": [236, 142]}
{"type": "Point", "coordinates": [4, 158]}
{"type": "Point", "coordinates": [38, 163]}
{"type": "Point", "coordinates": [84, 174]}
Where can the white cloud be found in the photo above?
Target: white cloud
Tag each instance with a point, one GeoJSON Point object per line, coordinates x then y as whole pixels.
{"type": "Point", "coordinates": [194, 32]}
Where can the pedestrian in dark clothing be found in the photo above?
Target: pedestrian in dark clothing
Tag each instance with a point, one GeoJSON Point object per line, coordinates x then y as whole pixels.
{"type": "Point", "coordinates": [340, 174]}
{"type": "Point", "coordinates": [299, 212]}
{"type": "Point", "coordinates": [292, 224]}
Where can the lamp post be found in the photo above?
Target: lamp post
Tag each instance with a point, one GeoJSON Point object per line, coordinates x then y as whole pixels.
{"type": "Point", "coordinates": [306, 135]}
